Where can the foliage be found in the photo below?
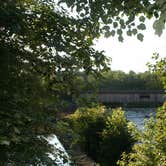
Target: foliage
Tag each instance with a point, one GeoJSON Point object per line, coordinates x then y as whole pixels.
{"type": "Point", "coordinates": [102, 135]}
{"type": "Point", "coordinates": [88, 124]}
{"type": "Point", "coordinates": [152, 147]}
{"type": "Point", "coordinates": [42, 49]}
{"type": "Point", "coordinates": [159, 67]}
{"type": "Point", "coordinates": [119, 80]}
{"type": "Point", "coordinates": [116, 138]}
{"type": "Point", "coordinates": [41, 52]}
{"type": "Point", "coordinates": [112, 18]}
{"type": "Point", "coordinates": [159, 24]}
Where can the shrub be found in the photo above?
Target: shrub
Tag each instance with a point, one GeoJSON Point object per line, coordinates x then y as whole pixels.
{"type": "Point", "coordinates": [103, 135]}
{"type": "Point", "coordinates": [151, 151]}
{"type": "Point", "coordinates": [116, 138]}
{"type": "Point", "coordinates": [88, 123]}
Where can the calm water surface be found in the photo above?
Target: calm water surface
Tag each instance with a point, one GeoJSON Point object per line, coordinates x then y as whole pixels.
{"type": "Point", "coordinates": [138, 115]}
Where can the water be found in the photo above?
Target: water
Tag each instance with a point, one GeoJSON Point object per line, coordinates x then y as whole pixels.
{"type": "Point", "coordinates": [58, 148]}
{"type": "Point", "coordinates": [138, 115]}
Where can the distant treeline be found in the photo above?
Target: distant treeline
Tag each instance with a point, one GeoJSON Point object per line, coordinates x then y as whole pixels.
{"type": "Point", "coordinates": [119, 80]}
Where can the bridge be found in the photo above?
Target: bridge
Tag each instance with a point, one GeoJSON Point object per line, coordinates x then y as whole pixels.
{"type": "Point", "coordinates": [127, 96]}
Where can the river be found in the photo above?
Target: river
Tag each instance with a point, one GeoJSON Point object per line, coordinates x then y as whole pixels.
{"type": "Point", "coordinates": [138, 115]}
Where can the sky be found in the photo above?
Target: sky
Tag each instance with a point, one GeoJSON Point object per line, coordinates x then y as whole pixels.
{"type": "Point", "coordinates": [133, 54]}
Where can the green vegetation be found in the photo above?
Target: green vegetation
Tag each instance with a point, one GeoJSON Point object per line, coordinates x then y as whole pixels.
{"type": "Point", "coordinates": [102, 135]}
{"type": "Point", "coordinates": [43, 48]}
{"type": "Point", "coordinates": [109, 139]}
{"type": "Point", "coordinates": [152, 147]}
{"type": "Point", "coordinates": [158, 67]}
{"type": "Point", "coordinates": [118, 80]}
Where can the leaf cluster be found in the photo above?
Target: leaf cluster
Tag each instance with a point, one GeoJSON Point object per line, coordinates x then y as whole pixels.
{"type": "Point", "coordinates": [42, 49]}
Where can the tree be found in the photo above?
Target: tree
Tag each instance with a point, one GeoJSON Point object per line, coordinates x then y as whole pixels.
{"type": "Point", "coordinates": [118, 80]}
{"type": "Point", "coordinates": [159, 67]}
{"type": "Point", "coordinates": [42, 49]}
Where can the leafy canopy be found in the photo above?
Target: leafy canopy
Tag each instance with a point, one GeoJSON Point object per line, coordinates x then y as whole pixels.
{"type": "Point", "coordinates": [42, 49]}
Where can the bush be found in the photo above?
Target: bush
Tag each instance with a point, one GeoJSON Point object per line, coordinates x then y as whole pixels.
{"type": "Point", "coordinates": [103, 135]}
{"type": "Point", "coordinates": [88, 123]}
{"type": "Point", "coordinates": [116, 138]}
{"type": "Point", "coordinates": [151, 151]}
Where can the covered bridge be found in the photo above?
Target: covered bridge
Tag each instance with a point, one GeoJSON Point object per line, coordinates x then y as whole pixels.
{"type": "Point", "coordinates": [127, 96]}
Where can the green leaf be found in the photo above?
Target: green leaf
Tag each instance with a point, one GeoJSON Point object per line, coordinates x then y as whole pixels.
{"type": "Point", "coordinates": [115, 24]}
{"type": "Point", "coordinates": [160, 2]}
{"type": "Point", "coordinates": [159, 25]}
{"type": "Point", "coordinates": [140, 37]}
{"type": "Point", "coordinates": [4, 142]}
{"type": "Point", "coordinates": [121, 22]}
{"type": "Point", "coordinates": [119, 31]}
{"type": "Point", "coordinates": [109, 21]}
{"type": "Point", "coordinates": [82, 14]}
{"type": "Point", "coordinates": [112, 33]}
{"type": "Point", "coordinates": [107, 28]}
{"type": "Point", "coordinates": [142, 18]}
{"type": "Point", "coordinates": [120, 38]}
{"type": "Point", "coordinates": [129, 33]}
{"type": "Point", "coordinates": [134, 31]}
{"type": "Point", "coordinates": [141, 26]}
{"type": "Point", "coordinates": [156, 14]}
{"type": "Point", "coordinates": [107, 34]}
{"type": "Point", "coordinates": [16, 130]}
